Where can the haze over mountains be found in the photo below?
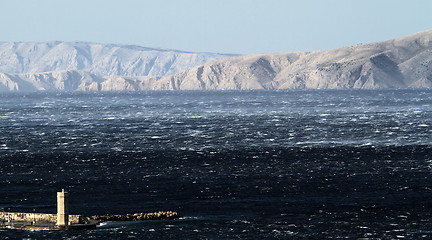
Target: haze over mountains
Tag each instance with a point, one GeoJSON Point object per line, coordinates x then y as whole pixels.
{"type": "Point", "coordinates": [69, 65]}
{"type": "Point", "coordinates": [404, 62]}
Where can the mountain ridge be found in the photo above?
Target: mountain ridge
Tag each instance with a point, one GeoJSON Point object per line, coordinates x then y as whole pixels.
{"type": "Point", "coordinates": [97, 58]}
{"type": "Point", "coordinates": [404, 62]}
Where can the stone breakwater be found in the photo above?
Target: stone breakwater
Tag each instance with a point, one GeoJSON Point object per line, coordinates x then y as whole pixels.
{"type": "Point", "coordinates": [43, 221]}
{"type": "Point", "coordinates": [161, 215]}
{"type": "Point", "coordinates": [37, 217]}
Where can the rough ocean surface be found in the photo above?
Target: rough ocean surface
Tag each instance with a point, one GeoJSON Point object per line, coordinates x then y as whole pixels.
{"type": "Point", "coordinates": [296, 164]}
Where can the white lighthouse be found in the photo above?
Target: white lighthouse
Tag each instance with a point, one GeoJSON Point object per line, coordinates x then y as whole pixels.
{"type": "Point", "coordinates": [62, 209]}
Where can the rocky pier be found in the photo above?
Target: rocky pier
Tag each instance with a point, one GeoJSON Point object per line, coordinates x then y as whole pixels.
{"type": "Point", "coordinates": [64, 221]}
{"type": "Point", "coordinates": [161, 215]}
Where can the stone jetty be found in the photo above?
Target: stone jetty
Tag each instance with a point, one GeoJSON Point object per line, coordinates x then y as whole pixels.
{"type": "Point", "coordinates": [64, 221]}
{"type": "Point", "coordinates": [161, 215]}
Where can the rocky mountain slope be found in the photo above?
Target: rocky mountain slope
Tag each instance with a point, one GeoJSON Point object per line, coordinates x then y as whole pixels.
{"type": "Point", "coordinates": [404, 62]}
{"type": "Point", "coordinates": [50, 81]}
{"type": "Point", "coordinates": [24, 65]}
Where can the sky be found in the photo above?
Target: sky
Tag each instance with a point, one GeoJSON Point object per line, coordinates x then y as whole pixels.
{"type": "Point", "coordinates": [220, 26]}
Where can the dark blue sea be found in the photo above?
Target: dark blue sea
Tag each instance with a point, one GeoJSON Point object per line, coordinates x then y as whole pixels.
{"type": "Point", "coordinates": [299, 164]}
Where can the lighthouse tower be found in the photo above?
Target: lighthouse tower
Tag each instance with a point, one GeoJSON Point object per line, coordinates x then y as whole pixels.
{"type": "Point", "coordinates": [62, 209]}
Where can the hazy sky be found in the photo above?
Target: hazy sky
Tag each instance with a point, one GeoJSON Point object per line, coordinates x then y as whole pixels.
{"type": "Point", "coordinates": [225, 26]}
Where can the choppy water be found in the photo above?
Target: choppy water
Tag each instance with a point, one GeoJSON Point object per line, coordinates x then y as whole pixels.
{"type": "Point", "coordinates": [237, 164]}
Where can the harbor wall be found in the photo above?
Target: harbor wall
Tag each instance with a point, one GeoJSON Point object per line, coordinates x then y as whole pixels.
{"type": "Point", "coordinates": [37, 217]}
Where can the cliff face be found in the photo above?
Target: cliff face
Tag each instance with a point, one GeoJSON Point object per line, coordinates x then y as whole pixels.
{"type": "Point", "coordinates": [72, 81]}
{"type": "Point", "coordinates": [400, 63]}
{"type": "Point", "coordinates": [51, 81]}
{"type": "Point", "coordinates": [404, 62]}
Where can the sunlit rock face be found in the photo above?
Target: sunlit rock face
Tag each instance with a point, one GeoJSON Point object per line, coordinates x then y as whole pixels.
{"type": "Point", "coordinates": [400, 63]}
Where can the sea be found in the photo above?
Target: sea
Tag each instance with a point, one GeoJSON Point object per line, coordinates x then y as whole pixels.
{"type": "Point", "coordinates": [292, 164]}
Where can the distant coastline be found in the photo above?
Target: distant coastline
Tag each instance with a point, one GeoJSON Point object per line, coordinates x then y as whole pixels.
{"type": "Point", "coordinates": [405, 62]}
